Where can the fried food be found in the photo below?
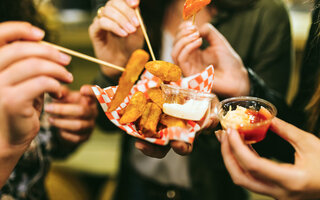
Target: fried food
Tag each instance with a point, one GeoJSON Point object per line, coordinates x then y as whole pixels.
{"type": "Point", "coordinates": [191, 7]}
{"type": "Point", "coordinates": [155, 94]}
{"type": "Point", "coordinates": [170, 121]}
{"type": "Point", "coordinates": [166, 71]}
{"type": "Point", "coordinates": [149, 120]}
{"type": "Point", "coordinates": [134, 109]}
{"type": "Point", "coordinates": [134, 68]}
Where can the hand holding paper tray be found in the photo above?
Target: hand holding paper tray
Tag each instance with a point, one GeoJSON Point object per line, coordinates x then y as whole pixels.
{"type": "Point", "coordinates": [202, 82]}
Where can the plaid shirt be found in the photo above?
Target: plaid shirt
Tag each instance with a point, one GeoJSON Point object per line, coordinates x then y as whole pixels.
{"type": "Point", "coordinates": [27, 181]}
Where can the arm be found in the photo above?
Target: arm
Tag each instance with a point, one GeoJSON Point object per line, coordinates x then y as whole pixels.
{"type": "Point", "coordinates": [21, 94]}
{"type": "Point", "coordinates": [281, 181]}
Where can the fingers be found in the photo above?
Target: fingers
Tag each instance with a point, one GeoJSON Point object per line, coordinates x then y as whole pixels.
{"type": "Point", "coordinates": [213, 36]}
{"type": "Point", "coordinates": [32, 67]}
{"type": "Point", "coordinates": [35, 87]}
{"type": "Point", "coordinates": [238, 175]}
{"type": "Point", "coordinates": [256, 166]}
{"type": "Point", "coordinates": [71, 110]}
{"type": "Point", "coordinates": [86, 90]}
{"type": "Point", "coordinates": [12, 31]}
{"type": "Point", "coordinates": [126, 11]}
{"type": "Point", "coordinates": [73, 137]}
{"type": "Point", "coordinates": [290, 133]}
{"type": "Point", "coordinates": [19, 50]}
{"type": "Point", "coordinates": [183, 46]}
{"type": "Point", "coordinates": [152, 150]}
{"type": "Point", "coordinates": [118, 18]}
{"type": "Point", "coordinates": [181, 148]}
{"type": "Point", "coordinates": [72, 125]}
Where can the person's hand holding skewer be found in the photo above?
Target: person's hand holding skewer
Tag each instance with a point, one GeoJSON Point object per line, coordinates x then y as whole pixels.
{"type": "Point", "coordinates": [115, 33]}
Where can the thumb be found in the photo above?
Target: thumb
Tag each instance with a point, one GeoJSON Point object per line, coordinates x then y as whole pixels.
{"type": "Point", "coordinates": [213, 36]}
{"type": "Point", "coordinates": [295, 136]}
{"type": "Point", "coordinates": [133, 3]}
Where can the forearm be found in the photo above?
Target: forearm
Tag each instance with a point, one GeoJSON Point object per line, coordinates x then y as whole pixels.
{"type": "Point", "coordinates": [9, 157]}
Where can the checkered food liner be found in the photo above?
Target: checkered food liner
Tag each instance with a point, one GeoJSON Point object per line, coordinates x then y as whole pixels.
{"type": "Point", "coordinates": [202, 81]}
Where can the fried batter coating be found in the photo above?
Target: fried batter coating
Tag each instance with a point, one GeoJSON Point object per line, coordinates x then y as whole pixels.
{"type": "Point", "coordinates": [170, 121]}
{"type": "Point", "coordinates": [134, 68]}
{"type": "Point", "coordinates": [149, 120]}
{"type": "Point", "coordinates": [155, 94]}
{"type": "Point", "coordinates": [134, 109]}
{"type": "Point", "coordinates": [166, 71]}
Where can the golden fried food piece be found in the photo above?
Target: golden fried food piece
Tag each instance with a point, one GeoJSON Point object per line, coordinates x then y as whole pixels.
{"type": "Point", "coordinates": [134, 68]}
{"type": "Point", "coordinates": [149, 120]}
{"type": "Point", "coordinates": [155, 94]}
{"type": "Point", "coordinates": [134, 109]}
{"type": "Point", "coordinates": [164, 70]}
{"type": "Point", "coordinates": [170, 121]}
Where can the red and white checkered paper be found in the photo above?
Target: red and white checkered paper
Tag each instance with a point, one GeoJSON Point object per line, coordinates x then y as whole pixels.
{"type": "Point", "coordinates": [202, 81]}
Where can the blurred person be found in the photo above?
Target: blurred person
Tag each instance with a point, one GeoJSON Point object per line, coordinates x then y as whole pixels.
{"type": "Point", "coordinates": [115, 34]}
{"type": "Point", "coordinates": [27, 147]}
{"type": "Point", "coordinates": [281, 180]}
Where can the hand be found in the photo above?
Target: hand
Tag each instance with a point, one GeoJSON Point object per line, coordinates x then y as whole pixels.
{"type": "Point", "coordinates": [115, 34]}
{"type": "Point", "coordinates": [74, 114]}
{"type": "Point", "coordinates": [27, 70]}
{"type": "Point", "coordinates": [231, 77]}
{"type": "Point", "coordinates": [157, 151]}
{"type": "Point", "coordinates": [300, 180]}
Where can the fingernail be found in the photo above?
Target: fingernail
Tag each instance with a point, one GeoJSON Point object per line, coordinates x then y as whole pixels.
{"type": "Point", "coordinates": [136, 21]}
{"type": "Point", "coordinates": [37, 32]}
{"type": "Point", "coordinates": [194, 35]}
{"type": "Point", "coordinates": [139, 146]}
{"type": "Point", "coordinates": [130, 28]}
{"type": "Point", "coordinates": [65, 58]}
{"type": "Point", "coordinates": [51, 120]}
{"type": "Point", "coordinates": [70, 77]}
{"type": "Point", "coordinates": [123, 33]}
{"type": "Point", "coordinates": [229, 130]}
{"type": "Point", "coordinates": [223, 138]}
{"type": "Point", "coordinates": [191, 28]}
{"type": "Point", "coordinates": [132, 2]}
{"type": "Point", "coordinates": [49, 108]}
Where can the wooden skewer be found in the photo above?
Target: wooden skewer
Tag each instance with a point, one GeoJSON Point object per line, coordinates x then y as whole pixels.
{"type": "Point", "coordinates": [83, 56]}
{"type": "Point", "coordinates": [144, 31]}
{"type": "Point", "coordinates": [193, 19]}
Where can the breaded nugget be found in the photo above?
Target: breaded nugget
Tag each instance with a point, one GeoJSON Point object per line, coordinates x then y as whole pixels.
{"type": "Point", "coordinates": [166, 71]}
{"type": "Point", "coordinates": [149, 120]}
{"type": "Point", "coordinates": [131, 74]}
{"type": "Point", "coordinates": [155, 94]}
{"type": "Point", "coordinates": [170, 121]}
{"type": "Point", "coordinates": [134, 109]}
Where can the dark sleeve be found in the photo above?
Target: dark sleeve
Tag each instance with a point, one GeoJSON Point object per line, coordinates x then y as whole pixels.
{"type": "Point", "coordinates": [272, 51]}
{"type": "Point", "coordinates": [102, 121]}
{"type": "Point", "coordinates": [273, 145]}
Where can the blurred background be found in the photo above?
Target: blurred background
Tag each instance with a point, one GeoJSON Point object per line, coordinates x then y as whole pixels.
{"type": "Point", "coordinates": [90, 173]}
